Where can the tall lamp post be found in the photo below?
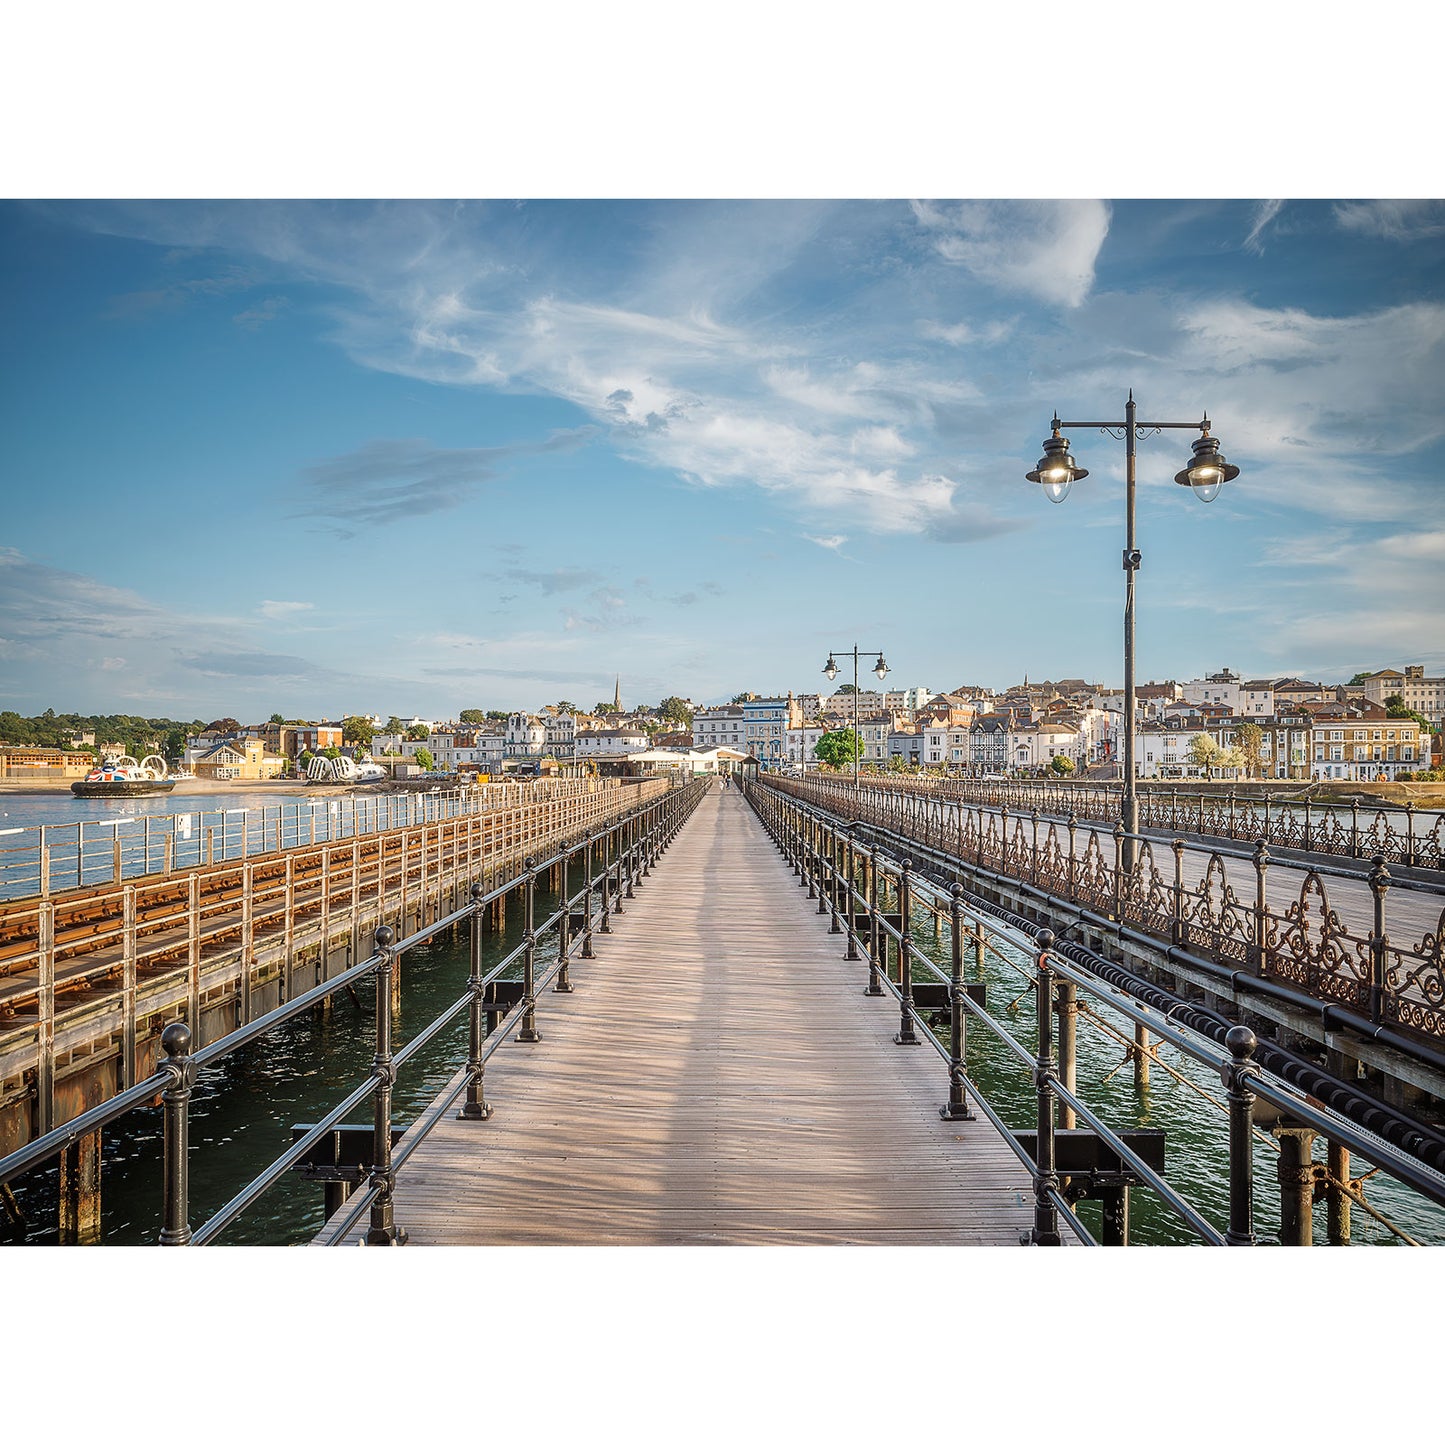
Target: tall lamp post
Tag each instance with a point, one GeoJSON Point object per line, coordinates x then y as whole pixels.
{"type": "Point", "coordinates": [1056, 471]}
{"type": "Point", "coordinates": [880, 671]}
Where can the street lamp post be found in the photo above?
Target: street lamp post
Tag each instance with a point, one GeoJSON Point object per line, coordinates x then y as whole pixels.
{"type": "Point", "coordinates": [880, 671]}
{"type": "Point", "coordinates": [1057, 471]}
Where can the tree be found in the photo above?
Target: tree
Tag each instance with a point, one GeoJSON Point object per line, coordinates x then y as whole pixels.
{"type": "Point", "coordinates": [418, 733]}
{"type": "Point", "coordinates": [395, 725]}
{"type": "Point", "coordinates": [1061, 765]}
{"type": "Point", "coordinates": [838, 748]}
{"type": "Point", "coordinates": [278, 719]}
{"type": "Point", "coordinates": [357, 730]}
{"type": "Point", "coordinates": [424, 760]}
{"type": "Point", "coordinates": [1358, 678]}
{"type": "Point", "coordinates": [496, 715]}
{"type": "Point", "coordinates": [332, 752]}
{"type": "Point", "coordinates": [1205, 753]}
{"type": "Point", "coordinates": [1395, 707]}
{"type": "Point", "coordinates": [745, 697]}
{"type": "Point", "coordinates": [565, 705]}
{"type": "Point", "coordinates": [223, 725]}
{"type": "Point", "coordinates": [846, 687]}
{"type": "Point", "coordinates": [602, 708]}
{"type": "Point", "coordinates": [175, 744]}
{"type": "Point", "coordinates": [303, 759]}
{"type": "Point", "coordinates": [674, 709]}
{"type": "Point", "coordinates": [472, 716]}
{"type": "Point", "coordinates": [1249, 741]}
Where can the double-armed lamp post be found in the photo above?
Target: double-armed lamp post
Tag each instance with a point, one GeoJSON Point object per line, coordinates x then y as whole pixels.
{"type": "Point", "coordinates": [1057, 471]}
{"type": "Point", "coordinates": [880, 671]}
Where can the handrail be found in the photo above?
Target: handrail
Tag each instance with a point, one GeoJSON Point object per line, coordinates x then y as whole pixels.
{"type": "Point", "coordinates": [826, 852]}
{"type": "Point", "coordinates": [1309, 825]}
{"type": "Point", "coordinates": [631, 840]}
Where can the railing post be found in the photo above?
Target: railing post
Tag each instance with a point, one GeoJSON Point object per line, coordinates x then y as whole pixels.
{"type": "Point", "coordinates": [1379, 942]}
{"type": "Point", "coordinates": [870, 866]}
{"type": "Point", "coordinates": [1046, 1178]}
{"type": "Point", "coordinates": [851, 865]}
{"type": "Point", "coordinates": [617, 861]}
{"type": "Point", "coordinates": [957, 1105]}
{"type": "Point", "coordinates": [587, 900]}
{"type": "Point", "coordinates": [1236, 1075]}
{"type": "Point", "coordinates": [1067, 1007]}
{"type": "Point", "coordinates": [905, 1034]}
{"type": "Point", "coordinates": [1261, 917]}
{"type": "Point", "coordinates": [564, 928]}
{"type": "Point", "coordinates": [476, 1106]}
{"type": "Point", "coordinates": [629, 832]}
{"type": "Point", "coordinates": [383, 1228]}
{"type": "Point", "coordinates": [180, 1069]}
{"type": "Point", "coordinates": [528, 1034]}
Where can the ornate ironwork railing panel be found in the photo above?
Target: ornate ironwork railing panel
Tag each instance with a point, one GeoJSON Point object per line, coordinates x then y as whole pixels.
{"type": "Point", "coordinates": [1404, 836]}
{"type": "Point", "coordinates": [1281, 925]}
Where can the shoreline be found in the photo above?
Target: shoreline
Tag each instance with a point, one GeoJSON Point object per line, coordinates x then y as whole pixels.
{"type": "Point", "coordinates": [188, 787]}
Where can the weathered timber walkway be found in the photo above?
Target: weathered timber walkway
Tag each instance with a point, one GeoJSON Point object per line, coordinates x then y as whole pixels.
{"type": "Point", "coordinates": [717, 1077]}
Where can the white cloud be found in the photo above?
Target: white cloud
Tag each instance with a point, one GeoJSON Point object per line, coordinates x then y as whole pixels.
{"type": "Point", "coordinates": [279, 611]}
{"type": "Point", "coordinates": [1045, 249]}
{"type": "Point", "coordinates": [1393, 220]}
{"type": "Point", "coordinates": [830, 544]}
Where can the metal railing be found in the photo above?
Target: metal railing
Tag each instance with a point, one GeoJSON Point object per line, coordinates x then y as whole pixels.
{"type": "Point", "coordinates": [52, 857]}
{"type": "Point", "coordinates": [613, 860]}
{"type": "Point", "coordinates": [872, 891]}
{"type": "Point", "coordinates": [1385, 976]}
{"type": "Point", "coordinates": [1406, 836]}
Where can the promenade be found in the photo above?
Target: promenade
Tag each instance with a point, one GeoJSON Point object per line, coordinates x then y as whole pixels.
{"type": "Point", "coordinates": [717, 1077]}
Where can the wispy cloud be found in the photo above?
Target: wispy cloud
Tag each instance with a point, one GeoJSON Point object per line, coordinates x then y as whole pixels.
{"type": "Point", "coordinates": [280, 611]}
{"type": "Point", "coordinates": [831, 544]}
{"type": "Point", "coordinates": [255, 317]}
{"type": "Point", "coordinates": [1264, 214]}
{"type": "Point", "coordinates": [1393, 220]}
{"type": "Point", "coordinates": [387, 480]}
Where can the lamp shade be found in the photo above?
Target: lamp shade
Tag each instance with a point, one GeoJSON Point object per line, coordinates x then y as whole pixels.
{"type": "Point", "coordinates": [1056, 471]}
{"type": "Point", "coordinates": [830, 668]}
{"type": "Point", "coordinates": [881, 671]}
{"type": "Point", "coordinates": [1207, 470]}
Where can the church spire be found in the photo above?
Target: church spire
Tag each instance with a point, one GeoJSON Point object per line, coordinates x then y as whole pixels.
{"type": "Point", "coordinates": [617, 694]}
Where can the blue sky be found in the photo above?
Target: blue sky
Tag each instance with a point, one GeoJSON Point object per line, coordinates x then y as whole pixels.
{"type": "Point", "coordinates": [332, 457]}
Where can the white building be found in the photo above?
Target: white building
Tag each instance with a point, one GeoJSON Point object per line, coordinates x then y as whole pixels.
{"type": "Point", "coordinates": [610, 743]}
{"type": "Point", "coordinates": [1219, 687]}
{"type": "Point", "coordinates": [1164, 752]}
{"type": "Point", "coordinates": [801, 742]}
{"type": "Point", "coordinates": [717, 727]}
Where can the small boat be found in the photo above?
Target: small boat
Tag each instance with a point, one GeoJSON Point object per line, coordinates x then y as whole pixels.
{"type": "Point", "coordinates": [125, 778]}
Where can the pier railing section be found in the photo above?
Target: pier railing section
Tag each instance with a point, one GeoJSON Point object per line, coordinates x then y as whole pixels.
{"type": "Point", "coordinates": [88, 972]}
{"type": "Point", "coordinates": [875, 885]}
{"type": "Point", "coordinates": [54, 857]}
{"type": "Point", "coordinates": [1404, 836]}
{"type": "Point", "coordinates": [595, 874]}
{"type": "Point", "coordinates": [1390, 983]}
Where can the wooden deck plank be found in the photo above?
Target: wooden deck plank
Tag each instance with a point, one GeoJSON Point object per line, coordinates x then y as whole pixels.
{"type": "Point", "coordinates": [718, 1077]}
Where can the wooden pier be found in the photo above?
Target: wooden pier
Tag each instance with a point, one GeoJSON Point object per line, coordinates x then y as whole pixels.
{"type": "Point", "coordinates": [717, 1077]}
